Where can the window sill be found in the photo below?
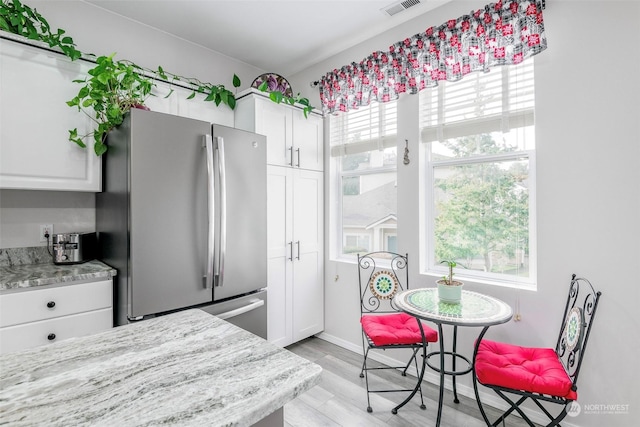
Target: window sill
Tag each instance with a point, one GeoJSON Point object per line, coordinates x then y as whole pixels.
{"type": "Point", "coordinates": [482, 281]}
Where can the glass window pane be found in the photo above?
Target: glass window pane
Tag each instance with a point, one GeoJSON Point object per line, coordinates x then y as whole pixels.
{"type": "Point", "coordinates": [370, 213]}
{"type": "Point", "coordinates": [519, 139]}
{"type": "Point", "coordinates": [481, 215]}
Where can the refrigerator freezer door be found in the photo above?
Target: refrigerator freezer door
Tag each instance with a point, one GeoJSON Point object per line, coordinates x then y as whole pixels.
{"type": "Point", "coordinates": [248, 312]}
{"type": "Point", "coordinates": [168, 213]}
{"type": "Point", "coordinates": [241, 246]}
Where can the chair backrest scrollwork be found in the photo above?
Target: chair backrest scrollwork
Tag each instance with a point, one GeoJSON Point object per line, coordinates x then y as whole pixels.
{"type": "Point", "coordinates": [577, 320]}
{"type": "Point", "coordinates": [381, 275]}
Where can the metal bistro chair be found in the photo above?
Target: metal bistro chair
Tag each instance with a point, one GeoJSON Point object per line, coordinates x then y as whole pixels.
{"type": "Point", "coordinates": [384, 327]}
{"type": "Point", "coordinates": [540, 374]}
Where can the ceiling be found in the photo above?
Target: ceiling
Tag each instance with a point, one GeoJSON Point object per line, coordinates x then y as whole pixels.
{"type": "Point", "coordinates": [280, 36]}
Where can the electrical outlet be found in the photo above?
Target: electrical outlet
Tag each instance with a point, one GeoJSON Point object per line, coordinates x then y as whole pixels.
{"type": "Point", "coordinates": [46, 229]}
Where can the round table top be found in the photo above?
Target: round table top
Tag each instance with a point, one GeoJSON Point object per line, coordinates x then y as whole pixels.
{"type": "Point", "coordinates": [475, 309]}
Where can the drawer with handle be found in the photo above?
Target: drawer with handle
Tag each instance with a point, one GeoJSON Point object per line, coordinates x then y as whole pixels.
{"type": "Point", "coordinates": [50, 302]}
{"type": "Point", "coordinates": [19, 337]}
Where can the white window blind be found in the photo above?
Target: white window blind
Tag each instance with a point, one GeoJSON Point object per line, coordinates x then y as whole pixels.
{"type": "Point", "coordinates": [366, 129]}
{"type": "Point", "coordinates": [500, 100]}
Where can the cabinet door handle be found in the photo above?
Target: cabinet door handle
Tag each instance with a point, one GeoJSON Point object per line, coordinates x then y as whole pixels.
{"type": "Point", "coordinates": [51, 337]}
{"type": "Point", "coordinates": [51, 304]}
{"type": "Point", "coordinates": [298, 243]}
{"type": "Point", "coordinates": [298, 152]}
{"type": "Point", "coordinates": [290, 251]}
{"type": "Point", "coordinates": [291, 150]}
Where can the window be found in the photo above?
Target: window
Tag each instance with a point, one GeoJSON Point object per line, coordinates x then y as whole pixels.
{"type": "Point", "coordinates": [363, 171]}
{"type": "Point", "coordinates": [479, 179]}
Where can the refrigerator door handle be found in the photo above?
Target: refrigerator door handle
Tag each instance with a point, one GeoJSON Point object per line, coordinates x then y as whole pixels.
{"type": "Point", "coordinates": [291, 153]}
{"type": "Point", "coordinates": [238, 311]}
{"type": "Point", "coordinates": [298, 152]}
{"type": "Point", "coordinates": [223, 210]}
{"type": "Point", "coordinates": [208, 278]}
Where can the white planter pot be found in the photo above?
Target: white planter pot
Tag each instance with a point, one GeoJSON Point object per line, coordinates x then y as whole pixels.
{"type": "Point", "coordinates": [451, 294]}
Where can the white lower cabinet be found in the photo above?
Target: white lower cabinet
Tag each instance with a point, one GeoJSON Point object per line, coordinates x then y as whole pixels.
{"type": "Point", "coordinates": [47, 314]}
{"type": "Point", "coordinates": [295, 252]}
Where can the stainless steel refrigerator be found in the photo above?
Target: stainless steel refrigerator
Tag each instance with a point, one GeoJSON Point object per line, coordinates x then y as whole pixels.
{"type": "Point", "coordinates": [182, 217]}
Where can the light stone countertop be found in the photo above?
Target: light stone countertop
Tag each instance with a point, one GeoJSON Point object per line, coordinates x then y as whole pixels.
{"type": "Point", "coordinates": [33, 275]}
{"type": "Point", "coordinates": [188, 368]}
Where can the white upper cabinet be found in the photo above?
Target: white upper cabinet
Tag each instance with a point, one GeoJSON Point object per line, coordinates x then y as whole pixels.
{"type": "Point", "coordinates": [35, 152]}
{"type": "Point", "coordinates": [292, 139]}
{"type": "Point", "coordinates": [307, 141]}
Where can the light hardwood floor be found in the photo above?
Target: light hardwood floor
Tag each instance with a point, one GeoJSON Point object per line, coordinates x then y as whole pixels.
{"type": "Point", "coordinates": [340, 398]}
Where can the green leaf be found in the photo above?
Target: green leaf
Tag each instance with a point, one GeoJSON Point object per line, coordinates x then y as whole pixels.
{"type": "Point", "coordinates": [4, 25]}
{"type": "Point", "coordinates": [104, 78]}
{"type": "Point", "coordinates": [263, 86]}
{"type": "Point", "coordinates": [79, 142]}
{"type": "Point", "coordinates": [212, 95]}
{"type": "Point", "coordinates": [193, 95]}
{"type": "Point", "coordinates": [100, 148]}
{"type": "Point", "coordinates": [231, 102]}
{"type": "Point", "coordinates": [276, 96]}
{"type": "Point", "coordinates": [88, 102]}
{"type": "Point", "coordinates": [170, 92]}
{"type": "Point", "coordinates": [236, 81]}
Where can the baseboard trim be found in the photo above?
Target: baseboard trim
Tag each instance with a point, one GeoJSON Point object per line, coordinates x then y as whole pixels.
{"type": "Point", "coordinates": [433, 378]}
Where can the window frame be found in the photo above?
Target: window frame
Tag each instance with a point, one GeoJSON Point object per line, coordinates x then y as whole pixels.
{"type": "Point", "coordinates": [337, 175]}
{"type": "Point", "coordinates": [428, 264]}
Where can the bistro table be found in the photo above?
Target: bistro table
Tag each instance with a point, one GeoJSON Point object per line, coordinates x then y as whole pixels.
{"type": "Point", "coordinates": [474, 309]}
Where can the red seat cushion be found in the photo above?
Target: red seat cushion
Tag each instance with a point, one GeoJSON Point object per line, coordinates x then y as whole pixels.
{"type": "Point", "coordinates": [536, 370]}
{"type": "Point", "coordinates": [397, 328]}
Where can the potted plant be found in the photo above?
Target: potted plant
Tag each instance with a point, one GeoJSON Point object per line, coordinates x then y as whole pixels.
{"type": "Point", "coordinates": [449, 290]}
{"type": "Point", "coordinates": [114, 87]}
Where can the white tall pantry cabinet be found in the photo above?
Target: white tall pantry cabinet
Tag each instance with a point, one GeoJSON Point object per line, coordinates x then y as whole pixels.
{"type": "Point", "coordinates": [294, 215]}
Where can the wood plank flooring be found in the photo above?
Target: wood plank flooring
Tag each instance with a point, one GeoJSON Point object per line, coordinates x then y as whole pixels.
{"type": "Point", "coordinates": [340, 398]}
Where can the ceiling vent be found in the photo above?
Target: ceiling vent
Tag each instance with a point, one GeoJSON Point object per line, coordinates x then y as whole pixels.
{"type": "Point", "coordinates": [398, 7]}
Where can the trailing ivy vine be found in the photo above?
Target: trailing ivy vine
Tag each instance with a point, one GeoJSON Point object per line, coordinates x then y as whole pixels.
{"type": "Point", "coordinates": [278, 97]}
{"type": "Point", "coordinates": [18, 18]}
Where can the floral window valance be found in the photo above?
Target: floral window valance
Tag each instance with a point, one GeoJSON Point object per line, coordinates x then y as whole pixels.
{"type": "Point", "coordinates": [502, 33]}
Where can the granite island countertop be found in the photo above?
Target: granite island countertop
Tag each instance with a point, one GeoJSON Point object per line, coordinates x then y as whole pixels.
{"type": "Point", "coordinates": [187, 368]}
{"type": "Point", "coordinates": [34, 275]}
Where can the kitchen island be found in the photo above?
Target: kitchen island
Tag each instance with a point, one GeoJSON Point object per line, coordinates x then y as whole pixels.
{"type": "Point", "coordinates": [186, 368]}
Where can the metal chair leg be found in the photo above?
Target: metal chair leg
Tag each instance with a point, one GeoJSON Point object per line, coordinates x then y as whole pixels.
{"type": "Point", "coordinates": [422, 405]}
{"type": "Point", "coordinates": [365, 373]}
{"type": "Point", "coordinates": [453, 362]}
{"type": "Point", "coordinates": [413, 357]}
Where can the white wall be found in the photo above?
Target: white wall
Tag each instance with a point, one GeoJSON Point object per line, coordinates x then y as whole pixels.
{"type": "Point", "coordinates": [101, 32]}
{"type": "Point", "coordinates": [588, 195]}
{"type": "Point", "coordinates": [97, 31]}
